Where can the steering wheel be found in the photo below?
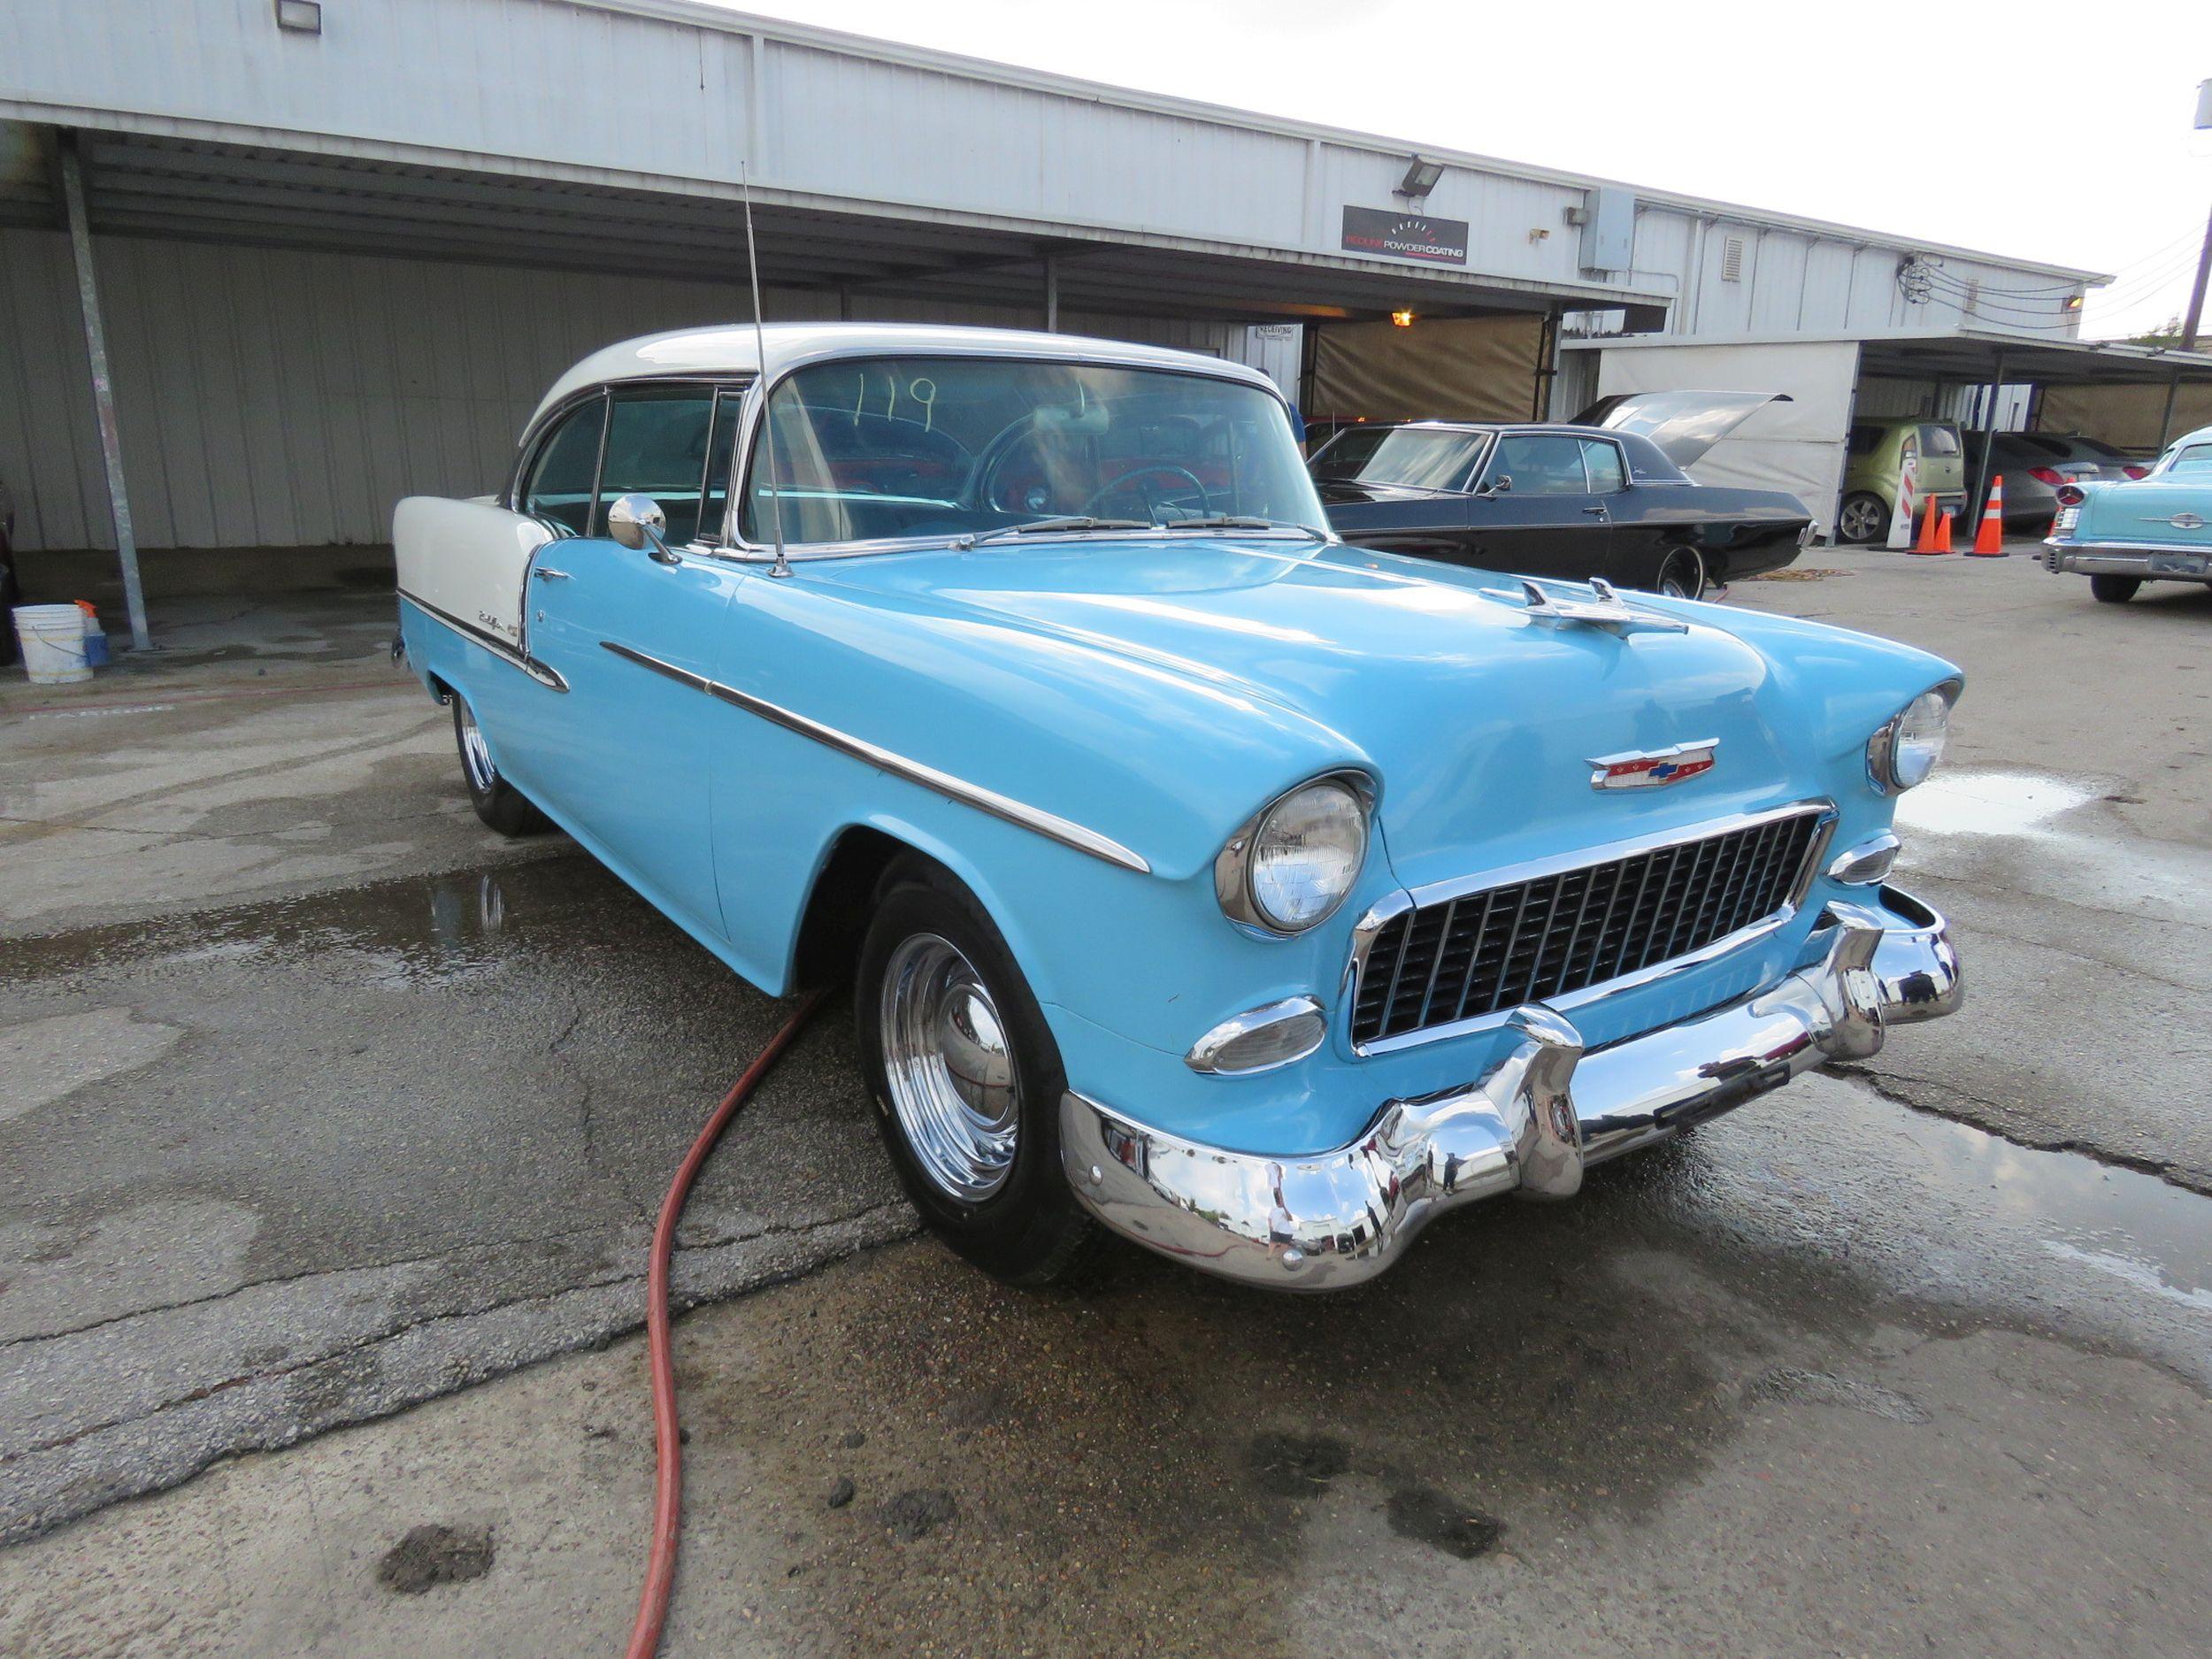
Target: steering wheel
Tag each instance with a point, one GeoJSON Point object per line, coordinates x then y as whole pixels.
{"type": "Point", "coordinates": [1205, 502]}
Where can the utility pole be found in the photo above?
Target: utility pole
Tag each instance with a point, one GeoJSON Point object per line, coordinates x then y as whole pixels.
{"type": "Point", "coordinates": [2204, 259]}
{"type": "Point", "coordinates": [2196, 295]}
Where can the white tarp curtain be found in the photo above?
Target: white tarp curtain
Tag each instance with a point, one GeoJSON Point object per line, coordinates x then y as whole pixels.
{"type": "Point", "coordinates": [1797, 446]}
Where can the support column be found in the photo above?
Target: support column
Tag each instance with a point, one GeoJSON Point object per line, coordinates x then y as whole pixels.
{"type": "Point", "coordinates": [103, 390]}
{"type": "Point", "coordinates": [2166, 415]}
{"type": "Point", "coordinates": [1971, 518]}
{"type": "Point", "coordinates": [1052, 293]}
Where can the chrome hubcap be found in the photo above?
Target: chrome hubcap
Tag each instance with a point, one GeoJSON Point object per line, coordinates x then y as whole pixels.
{"type": "Point", "coordinates": [1683, 576]}
{"type": "Point", "coordinates": [949, 1069]}
{"type": "Point", "coordinates": [474, 755]}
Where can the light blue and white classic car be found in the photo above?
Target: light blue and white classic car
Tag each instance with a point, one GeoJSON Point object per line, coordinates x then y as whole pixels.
{"type": "Point", "coordinates": [2157, 528]}
{"type": "Point", "coordinates": [1258, 896]}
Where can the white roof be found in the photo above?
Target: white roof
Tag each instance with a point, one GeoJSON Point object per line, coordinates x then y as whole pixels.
{"type": "Point", "coordinates": [735, 349]}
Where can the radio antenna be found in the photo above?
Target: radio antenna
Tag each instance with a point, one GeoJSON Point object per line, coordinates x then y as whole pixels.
{"type": "Point", "coordinates": [782, 566]}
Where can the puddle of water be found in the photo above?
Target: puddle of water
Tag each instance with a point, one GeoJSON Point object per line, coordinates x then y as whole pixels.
{"type": "Point", "coordinates": [1990, 803]}
{"type": "Point", "coordinates": [2137, 1227]}
{"type": "Point", "coordinates": [425, 931]}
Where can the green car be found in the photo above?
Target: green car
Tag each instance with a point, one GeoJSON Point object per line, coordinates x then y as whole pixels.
{"type": "Point", "coordinates": [1878, 452]}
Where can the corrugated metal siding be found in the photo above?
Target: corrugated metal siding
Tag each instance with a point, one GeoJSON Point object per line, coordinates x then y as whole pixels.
{"type": "Point", "coordinates": [276, 398]}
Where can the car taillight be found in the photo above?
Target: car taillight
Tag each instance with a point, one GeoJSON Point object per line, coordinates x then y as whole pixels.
{"type": "Point", "coordinates": [2071, 494]}
{"type": "Point", "coordinates": [2133, 470]}
{"type": "Point", "coordinates": [2047, 475]}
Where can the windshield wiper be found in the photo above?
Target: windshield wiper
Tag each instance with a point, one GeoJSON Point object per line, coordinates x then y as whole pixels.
{"type": "Point", "coordinates": [1243, 521]}
{"type": "Point", "coordinates": [1077, 521]}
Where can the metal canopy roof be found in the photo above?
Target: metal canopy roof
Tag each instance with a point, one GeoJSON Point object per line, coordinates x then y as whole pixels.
{"type": "Point", "coordinates": [1974, 356]}
{"type": "Point", "coordinates": [149, 185]}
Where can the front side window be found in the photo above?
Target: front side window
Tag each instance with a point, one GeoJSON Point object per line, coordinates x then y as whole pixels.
{"type": "Point", "coordinates": [867, 449]}
{"type": "Point", "coordinates": [1541, 463]}
{"type": "Point", "coordinates": [658, 446]}
{"type": "Point", "coordinates": [1415, 457]}
{"type": "Point", "coordinates": [559, 491]}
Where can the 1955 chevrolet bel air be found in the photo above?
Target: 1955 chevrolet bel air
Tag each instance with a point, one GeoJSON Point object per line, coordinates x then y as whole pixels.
{"type": "Point", "coordinates": [1258, 896]}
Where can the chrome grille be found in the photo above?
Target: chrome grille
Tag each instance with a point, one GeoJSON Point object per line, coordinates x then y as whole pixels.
{"type": "Point", "coordinates": [1548, 935]}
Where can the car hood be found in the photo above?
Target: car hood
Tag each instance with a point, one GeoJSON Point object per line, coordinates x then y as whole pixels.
{"type": "Point", "coordinates": [1684, 424]}
{"type": "Point", "coordinates": [2148, 512]}
{"type": "Point", "coordinates": [1232, 670]}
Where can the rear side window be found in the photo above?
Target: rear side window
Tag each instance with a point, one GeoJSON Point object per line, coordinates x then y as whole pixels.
{"type": "Point", "coordinates": [559, 491]}
{"type": "Point", "coordinates": [658, 446]}
{"type": "Point", "coordinates": [2193, 461]}
{"type": "Point", "coordinates": [1939, 441]}
{"type": "Point", "coordinates": [1865, 440]}
{"type": "Point", "coordinates": [1603, 461]}
{"type": "Point", "coordinates": [1540, 465]}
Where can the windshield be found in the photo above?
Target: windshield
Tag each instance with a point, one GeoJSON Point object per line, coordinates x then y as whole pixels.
{"type": "Point", "coordinates": [892, 447]}
{"type": "Point", "coordinates": [1421, 458]}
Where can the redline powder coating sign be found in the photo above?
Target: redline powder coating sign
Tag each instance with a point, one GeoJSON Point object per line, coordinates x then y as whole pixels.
{"type": "Point", "coordinates": [1405, 235]}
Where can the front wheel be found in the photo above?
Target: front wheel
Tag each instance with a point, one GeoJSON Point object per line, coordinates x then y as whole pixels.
{"type": "Point", "coordinates": [1863, 517]}
{"type": "Point", "coordinates": [2115, 590]}
{"type": "Point", "coordinates": [966, 1080]}
{"type": "Point", "coordinates": [498, 803]}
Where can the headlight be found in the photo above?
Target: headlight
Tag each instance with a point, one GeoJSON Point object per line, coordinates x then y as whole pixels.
{"type": "Point", "coordinates": [1905, 751]}
{"type": "Point", "coordinates": [1292, 864]}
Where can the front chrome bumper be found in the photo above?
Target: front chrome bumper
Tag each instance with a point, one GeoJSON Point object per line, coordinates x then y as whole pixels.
{"type": "Point", "coordinates": [1542, 1114]}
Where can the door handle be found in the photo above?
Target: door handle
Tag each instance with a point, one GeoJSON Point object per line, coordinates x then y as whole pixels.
{"type": "Point", "coordinates": [547, 574]}
{"type": "Point", "coordinates": [1600, 511]}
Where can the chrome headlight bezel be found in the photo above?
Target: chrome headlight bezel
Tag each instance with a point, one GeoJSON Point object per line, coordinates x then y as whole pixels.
{"type": "Point", "coordinates": [1882, 749]}
{"type": "Point", "coordinates": [1233, 865]}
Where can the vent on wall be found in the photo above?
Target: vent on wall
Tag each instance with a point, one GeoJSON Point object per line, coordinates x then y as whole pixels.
{"type": "Point", "coordinates": [1732, 260]}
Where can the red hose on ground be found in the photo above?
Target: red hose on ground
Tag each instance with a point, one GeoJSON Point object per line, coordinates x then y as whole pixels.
{"type": "Point", "coordinates": [668, 1487]}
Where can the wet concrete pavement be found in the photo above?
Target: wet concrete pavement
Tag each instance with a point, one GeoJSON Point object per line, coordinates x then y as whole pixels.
{"type": "Point", "coordinates": [1835, 1375]}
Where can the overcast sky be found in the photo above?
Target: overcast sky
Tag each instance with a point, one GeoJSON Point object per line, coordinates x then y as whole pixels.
{"type": "Point", "coordinates": [2059, 133]}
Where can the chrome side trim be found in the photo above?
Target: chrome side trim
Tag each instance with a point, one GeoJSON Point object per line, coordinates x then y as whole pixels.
{"type": "Point", "coordinates": [1392, 905]}
{"type": "Point", "coordinates": [544, 673]}
{"type": "Point", "coordinates": [1050, 824]}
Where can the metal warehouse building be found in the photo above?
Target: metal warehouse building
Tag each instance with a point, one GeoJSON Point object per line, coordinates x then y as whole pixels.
{"type": "Point", "coordinates": [320, 256]}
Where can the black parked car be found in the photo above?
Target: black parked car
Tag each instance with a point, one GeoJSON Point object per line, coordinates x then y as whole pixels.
{"type": "Point", "coordinates": [1603, 496]}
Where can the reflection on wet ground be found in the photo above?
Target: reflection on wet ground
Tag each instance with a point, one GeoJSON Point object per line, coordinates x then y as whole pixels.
{"type": "Point", "coordinates": [419, 930]}
{"type": "Point", "coordinates": [1990, 802]}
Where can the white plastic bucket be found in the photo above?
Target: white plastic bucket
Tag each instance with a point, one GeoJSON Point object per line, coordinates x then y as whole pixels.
{"type": "Point", "coordinates": [52, 638]}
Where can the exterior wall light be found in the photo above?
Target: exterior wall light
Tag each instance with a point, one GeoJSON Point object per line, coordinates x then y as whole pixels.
{"type": "Point", "coordinates": [1421, 178]}
{"type": "Point", "coordinates": [1402, 319]}
{"type": "Point", "coordinates": [304, 17]}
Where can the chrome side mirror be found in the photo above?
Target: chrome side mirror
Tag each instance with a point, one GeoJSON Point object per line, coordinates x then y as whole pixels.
{"type": "Point", "coordinates": [1497, 486]}
{"type": "Point", "coordinates": [637, 521]}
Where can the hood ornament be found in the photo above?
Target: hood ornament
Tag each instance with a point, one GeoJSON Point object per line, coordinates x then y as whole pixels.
{"type": "Point", "coordinates": [1608, 611]}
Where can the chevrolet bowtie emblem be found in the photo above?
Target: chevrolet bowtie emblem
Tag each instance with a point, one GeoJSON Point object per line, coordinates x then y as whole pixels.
{"type": "Point", "coordinates": [1654, 768]}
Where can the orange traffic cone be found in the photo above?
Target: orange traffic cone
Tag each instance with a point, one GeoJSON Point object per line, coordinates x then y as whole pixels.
{"type": "Point", "coordinates": [1943, 535]}
{"type": "Point", "coordinates": [1927, 543]}
{"type": "Point", "coordinates": [1989, 541]}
